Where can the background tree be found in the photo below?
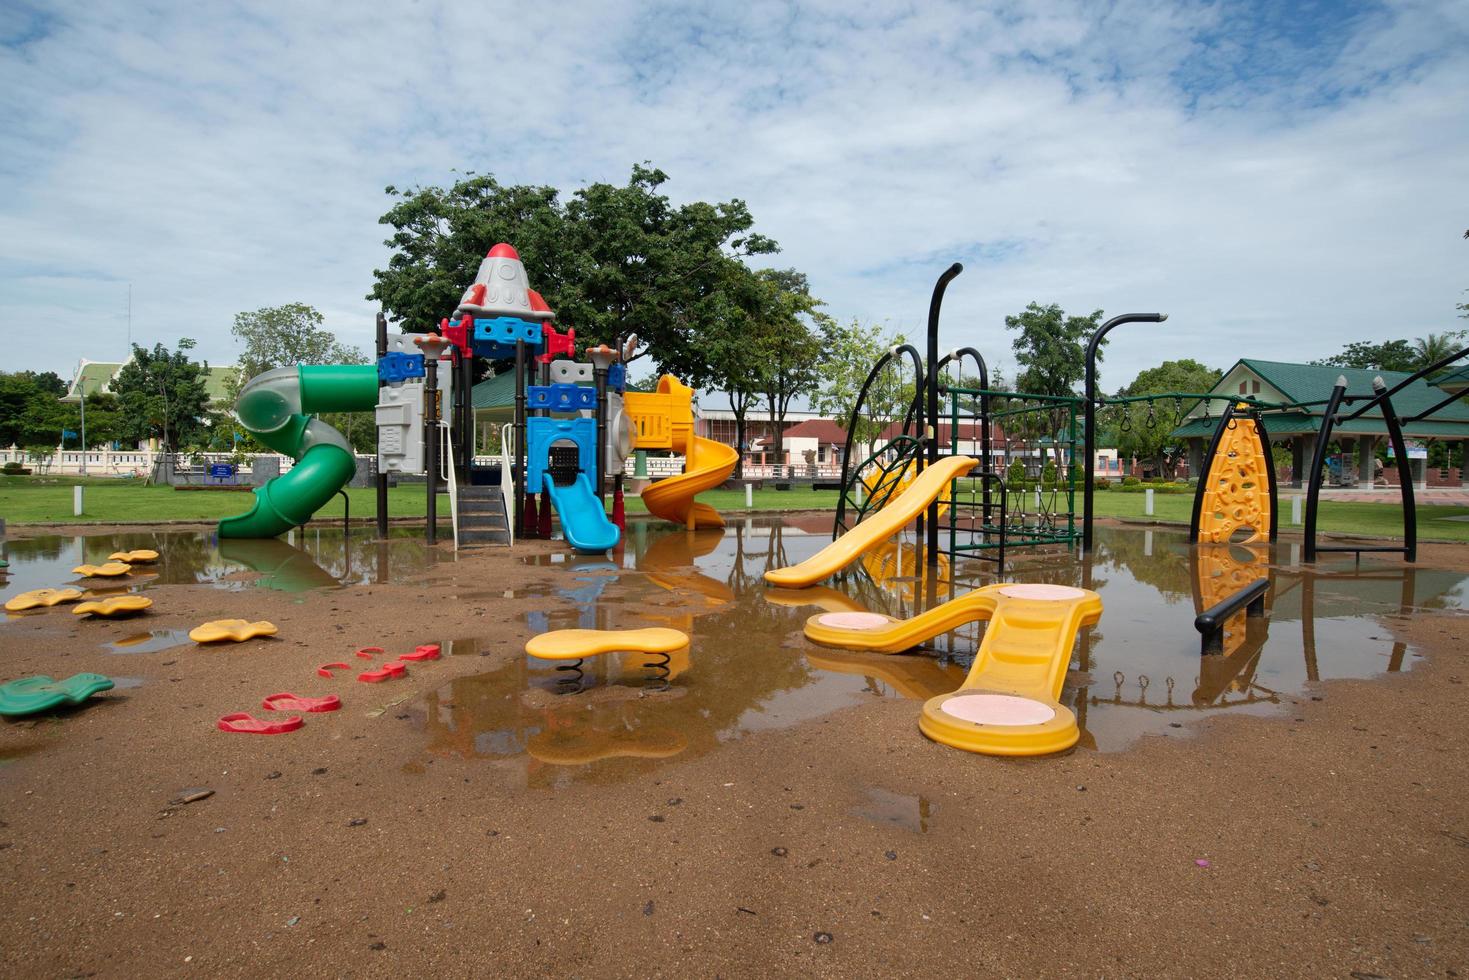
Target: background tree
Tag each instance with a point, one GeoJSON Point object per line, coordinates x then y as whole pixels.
{"type": "Point", "coordinates": [1050, 351]}
{"type": "Point", "coordinates": [30, 414]}
{"type": "Point", "coordinates": [162, 395]}
{"type": "Point", "coordinates": [1435, 347]}
{"type": "Point", "coordinates": [734, 358]}
{"type": "Point", "coordinates": [277, 336]}
{"type": "Point", "coordinates": [789, 339]}
{"type": "Point", "coordinates": [852, 351]}
{"type": "Point", "coordinates": [1389, 355]}
{"type": "Point", "coordinates": [280, 336]}
{"type": "Point", "coordinates": [1146, 432]}
{"type": "Point", "coordinates": [610, 260]}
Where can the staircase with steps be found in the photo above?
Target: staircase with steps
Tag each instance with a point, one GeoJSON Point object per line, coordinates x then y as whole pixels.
{"type": "Point", "coordinates": [482, 517]}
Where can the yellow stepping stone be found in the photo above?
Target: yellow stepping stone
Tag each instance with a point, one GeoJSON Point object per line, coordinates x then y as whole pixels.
{"type": "Point", "coordinates": [103, 571]}
{"type": "Point", "coordinates": [118, 605]}
{"type": "Point", "coordinates": [576, 644]}
{"type": "Point", "coordinates": [42, 597]}
{"type": "Point", "coordinates": [231, 629]}
{"type": "Point", "coordinates": [141, 556]}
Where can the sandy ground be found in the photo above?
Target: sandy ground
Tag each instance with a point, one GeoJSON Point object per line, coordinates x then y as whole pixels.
{"type": "Point", "coordinates": [1335, 838]}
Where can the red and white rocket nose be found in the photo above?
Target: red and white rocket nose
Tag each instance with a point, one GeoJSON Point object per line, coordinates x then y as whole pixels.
{"type": "Point", "coordinates": [500, 288]}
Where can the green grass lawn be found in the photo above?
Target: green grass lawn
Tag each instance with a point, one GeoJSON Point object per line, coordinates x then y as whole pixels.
{"type": "Point", "coordinates": [28, 500]}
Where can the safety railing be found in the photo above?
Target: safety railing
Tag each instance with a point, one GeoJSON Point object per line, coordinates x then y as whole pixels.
{"type": "Point", "coordinates": [1210, 622]}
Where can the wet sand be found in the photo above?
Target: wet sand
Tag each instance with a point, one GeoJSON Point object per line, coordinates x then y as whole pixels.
{"type": "Point", "coordinates": [1334, 833]}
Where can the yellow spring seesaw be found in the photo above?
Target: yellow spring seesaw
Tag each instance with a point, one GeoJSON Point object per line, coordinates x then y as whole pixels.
{"type": "Point", "coordinates": [1009, 703]}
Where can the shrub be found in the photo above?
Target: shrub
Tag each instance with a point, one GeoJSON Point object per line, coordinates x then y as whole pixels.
{"type": "Point", "coordinates": [1102, 483]}
{"type": "Point", "coordinates": [1048, 475]}
{"type": "Point", "coordinates": [1130, 481]}
{"type": "Point", "coordinates": [13, 468]}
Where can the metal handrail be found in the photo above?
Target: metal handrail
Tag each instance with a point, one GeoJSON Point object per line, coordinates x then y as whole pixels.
{"type": "Point", "coordinates": [446, 466]}
{"type": "Point", "coordinates": [1210, 622]}
{"type": "Point", "coordinates": [507, 475]}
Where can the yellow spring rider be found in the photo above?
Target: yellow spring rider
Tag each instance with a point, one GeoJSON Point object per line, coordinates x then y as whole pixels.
{"type": "Point", "coordinates": [1010, 702]}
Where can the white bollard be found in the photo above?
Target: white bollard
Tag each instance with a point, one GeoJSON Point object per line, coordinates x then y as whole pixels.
{"type": "Point", "coordinates": [1295, 510]}
{"type": "Point", "coordinates": [1148, 501]}
{"type": "Point", "coordinates": [1147, 544]}
{"type": "Point", "coordinates": [76, 501]}
{"type": "Point", "coordinates": [749, 496]}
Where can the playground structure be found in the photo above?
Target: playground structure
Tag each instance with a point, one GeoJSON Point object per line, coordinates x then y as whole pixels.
{"type": "Point", "coordinates": [575, 426]}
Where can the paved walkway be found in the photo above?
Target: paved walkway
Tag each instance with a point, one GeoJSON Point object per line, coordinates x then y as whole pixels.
{"type": "Point", "coordinates": [1436, 495]}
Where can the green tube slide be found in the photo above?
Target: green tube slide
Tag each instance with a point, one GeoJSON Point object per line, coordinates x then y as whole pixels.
{"type": "Point", "coordinates": [276, 407]}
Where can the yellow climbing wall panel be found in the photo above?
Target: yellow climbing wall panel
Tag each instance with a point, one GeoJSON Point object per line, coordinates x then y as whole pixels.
{"type": "Point", "coordinates": [1237, 487]}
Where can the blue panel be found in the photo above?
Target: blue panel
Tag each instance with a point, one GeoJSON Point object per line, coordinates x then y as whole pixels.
{"type": "Point", "coordinates": [508, 329]}
{"type": "Point", "coordinates": [561, 397]}
{"type": "Point", "coordinates": [617, 377]}
{"type": "Point", "coordinates": [396, 366]}
{"type": "Point", "coordinates": [541, 432]}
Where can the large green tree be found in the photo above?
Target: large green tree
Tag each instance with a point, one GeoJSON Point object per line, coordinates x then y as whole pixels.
{"type": "Point", "coordinates": [1050, 350]}
{"type": "Point", "coordinates": [279, 336]}
{"type": "Point", "coordinates": [610, 259]}
{"type": "Point", "coordinates": [789, 339]}
{"type": "Point", "coordinates": [162, 395]}
{"type": "Point", "coordinates": [852, 351]}
{"type": "Point", "coordinates": [1388, 355]}
{"type": "Point", "coordinates": [1143, 427]}
{"type": "Point", "coordinates": [30, 414]}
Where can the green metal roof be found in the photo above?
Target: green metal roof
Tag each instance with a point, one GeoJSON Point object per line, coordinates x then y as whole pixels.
{"type": "Point", "coordinates": [1456, 380]}
{"type": "Point", "coordinates": [91, 377]}
{"type": "Point", "coordinates": [1313, 383]}
{"type": "Point", "coordinates": [495, 393]}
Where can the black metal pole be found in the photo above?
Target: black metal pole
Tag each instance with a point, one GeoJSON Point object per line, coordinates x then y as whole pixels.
{"type": "Point", "coordinates": [1089, 429]}
{"type": "Point", "coordinates": [519, 475]}
{"type": "Point", "coordinates": [380, 478]}
{"type": "Point", "coordinates": [599, 376]}
{"type": "Point", "coordinates": [466, 413]}
{"type": "Point", "coordinates": [1405, 473]}
{"type": "Point", "coordinates": [431, 445]}
{"type": "Point", "coordinates": [1318, 461]}
{"type": "Point", "coordinates": [931, 408]}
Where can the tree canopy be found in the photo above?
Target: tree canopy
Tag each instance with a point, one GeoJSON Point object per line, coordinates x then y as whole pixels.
{"type": "Point", "coordinates": [277, 336]}
{"type": "Point", "coordinates": [854, 349]}
{"type": "Point", "coordinates": [162, 395]}
{"type": "Point", "coordinates": [1143, 428]}
{"type": "Point", "coordinates": [30, 414]}
{"type": "Point", "coordinates": [610, 259]}
{"type": "Point", "coordinates": [1050, 348]}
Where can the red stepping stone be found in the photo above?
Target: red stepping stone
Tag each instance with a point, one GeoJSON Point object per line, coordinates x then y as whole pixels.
{"type": "Point", "coordinates": [385, 672]}
{"type": "Point", "coordinates": [367, 653]}
{"type": "Point", "coordinates": [325, 670]}
{"type": "Point", "coordinates": [250, 725]}
{"type": "Point", "coordinates": [294, 702]}
{"type": "Point", "coordinates": [429, 651]}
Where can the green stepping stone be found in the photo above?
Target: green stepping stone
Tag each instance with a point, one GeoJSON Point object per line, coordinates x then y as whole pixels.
{"type": "Point", "coordinates": [30, 695]}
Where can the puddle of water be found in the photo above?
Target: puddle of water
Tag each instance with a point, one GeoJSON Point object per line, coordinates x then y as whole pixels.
{"type": "Point", "coordinates": [911, 813]}
{"type": "Point", "coordinates": [150, 641]}
{"type": "Point", "coordinates": [317, 558]}
{"type": "Point", "coordinates": [749, 668]}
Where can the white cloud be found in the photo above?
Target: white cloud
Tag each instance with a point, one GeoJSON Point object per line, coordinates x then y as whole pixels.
{"type": "Point", "coordinates": [1279, 187]}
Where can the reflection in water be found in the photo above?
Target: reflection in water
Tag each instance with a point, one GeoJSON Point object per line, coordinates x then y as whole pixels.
{"type": "Point", "coordinates": [749, 668]}
{"type": "Point", "coordinates": [912, 813]}
{"type": "Point", "coordinates": [316, 558]}
{"type": "Point", "coordinates": [149, 641]}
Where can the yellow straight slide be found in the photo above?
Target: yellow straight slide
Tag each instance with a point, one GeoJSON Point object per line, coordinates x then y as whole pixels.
{"type": "Point", "coordinates": [876, 529]}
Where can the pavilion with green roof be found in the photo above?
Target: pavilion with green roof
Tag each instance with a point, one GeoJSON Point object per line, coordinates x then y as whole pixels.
{"type": "Point", "coordinates": [1308, 386]}
{"type": "Point", "coordinates": [96, 377]}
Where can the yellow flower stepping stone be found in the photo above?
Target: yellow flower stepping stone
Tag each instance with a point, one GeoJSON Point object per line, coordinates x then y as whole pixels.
{"type": "Point", "coordinates": [576, 644]}
{"type": "Point", "coordinates": [42, 597]}
{"type": "Point", "coordinates": [236, 630]}
{"type": "Point", "coordinates": [142, 556]}
{"type": "Point", "coordinates": [103, 571]}
{"type": "Point", "coordinates": [118, 605]}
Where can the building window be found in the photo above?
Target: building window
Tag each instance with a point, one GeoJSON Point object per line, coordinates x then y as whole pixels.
{"type": "Point", "coordinates": [1255, 387]}
{"type": "Point", "coordinates": [1243, 387]}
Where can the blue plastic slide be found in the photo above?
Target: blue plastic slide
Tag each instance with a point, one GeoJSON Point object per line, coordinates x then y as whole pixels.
{"type": "Point", "coordinates": [584, 520]}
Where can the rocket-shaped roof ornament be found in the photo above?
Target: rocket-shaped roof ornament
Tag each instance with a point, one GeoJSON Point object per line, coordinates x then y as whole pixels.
{"type": "Point", "coordinates": [500, 288]}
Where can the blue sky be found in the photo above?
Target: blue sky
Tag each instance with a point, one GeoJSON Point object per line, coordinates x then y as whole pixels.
{"type": "Point", "coordinates": [1280, 178]}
